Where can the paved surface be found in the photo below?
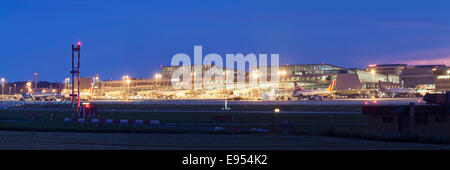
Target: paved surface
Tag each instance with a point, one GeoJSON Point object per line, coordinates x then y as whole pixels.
{"type": "Point", "coordinates": [380, 101]}
{"type": "Point", "coordinates": [361, 101]}
{"type": "Point", "coordinates": [71, 140]}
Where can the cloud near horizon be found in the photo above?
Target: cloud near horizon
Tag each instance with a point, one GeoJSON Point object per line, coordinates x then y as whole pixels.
{"type": "Point", "coordinates": [442, 60]}
{"type": "Point", "coordinates": [427, 57]}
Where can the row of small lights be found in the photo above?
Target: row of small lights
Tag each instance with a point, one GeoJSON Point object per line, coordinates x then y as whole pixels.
{"type": "Point", "coordinates": [375, 102]}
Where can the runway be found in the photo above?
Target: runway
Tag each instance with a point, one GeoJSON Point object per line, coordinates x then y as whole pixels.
{"type": "Point", "coordinates": [361, 101]}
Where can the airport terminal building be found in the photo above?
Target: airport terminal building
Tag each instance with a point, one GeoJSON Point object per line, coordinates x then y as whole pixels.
{"type": "Point", "coordinates": [421, 77]}
{"type": "Point", "coordinates": [317, 76]}
{"type": "Point", "coordinates": [308, 76]}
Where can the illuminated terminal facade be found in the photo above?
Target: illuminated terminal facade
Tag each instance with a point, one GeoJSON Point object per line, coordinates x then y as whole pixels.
{"type": "Point", "coordinates": [423, 78]}
{"type": "Point", "coordinates": [442, 80]}
{"type": "Point", "coordinates": [420, 77]}
{"type": "Point", "coordinates": [316, 76]}
{"type": "Point", "coordinates": [308, 76]}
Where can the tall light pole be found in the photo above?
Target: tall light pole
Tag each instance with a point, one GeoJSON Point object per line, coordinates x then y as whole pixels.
{"type": "Point", "coordinates": [3, 86]}
{"type": "Point", "coordinates": [29, 87]}
{"type": "Point", "coordinates": [256, 77]}
{"type": "Point", "coordinates": [126, 81]}
{"type": "Point", "coordinates": [282, 73]}
{"type": "Point", "coordinates": [35, 80]}
{"type": "Point", "coordinates": [373, 83]}
{"type": "Point", "coordinates": [67, 83]}
{"type": "Point", "coordinates": [157, 77]}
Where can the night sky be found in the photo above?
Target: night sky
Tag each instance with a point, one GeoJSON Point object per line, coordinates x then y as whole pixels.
{"type": "Point", "coordinates": [135, 38]}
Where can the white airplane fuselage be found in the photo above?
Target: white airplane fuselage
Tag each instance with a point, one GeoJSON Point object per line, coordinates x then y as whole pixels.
{"type": "Point", "coordinates": [399, 91]}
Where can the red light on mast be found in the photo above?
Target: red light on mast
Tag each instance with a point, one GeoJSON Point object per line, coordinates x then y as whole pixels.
{"type": "Point", "coordinates": [79, 43]}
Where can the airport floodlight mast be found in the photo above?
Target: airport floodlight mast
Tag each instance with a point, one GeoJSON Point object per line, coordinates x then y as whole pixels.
{"type": "Point", "coordinates": [35, 80]}
{"type": "Point", "coordinates": [3, 86]}
{"type": "Point", "coordinates": [75, 73]}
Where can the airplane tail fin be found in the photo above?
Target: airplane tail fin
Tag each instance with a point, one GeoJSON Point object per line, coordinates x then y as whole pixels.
{"type": "Point", "coordinates": [91, 89]}
{"type": "Point", "coordinates": [297, 87]}
{"type": "Point", "coordinates": [381, 85]}
{"type": "Point", "coordinates": [155, 87]}
{"type": "Point", "coordinates": [332, 86]}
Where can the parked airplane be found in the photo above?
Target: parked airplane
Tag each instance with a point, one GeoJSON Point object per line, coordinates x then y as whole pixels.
{"type": "Point", "coordinates": [271, 95]}
{"type": "Point", "coordinates": [165, 94]}
{"type": "Point", "coordinates": [353, 93]}
{"type": "Point", "coordinates": [311, 94]}
{"type": "Point", "coordinates": [394, 92]}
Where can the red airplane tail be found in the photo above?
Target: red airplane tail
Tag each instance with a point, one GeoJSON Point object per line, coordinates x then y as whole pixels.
{"type": "Point", "coordinates": [91, 89]}
{"type": "Point", "coordinates": [332, 86]}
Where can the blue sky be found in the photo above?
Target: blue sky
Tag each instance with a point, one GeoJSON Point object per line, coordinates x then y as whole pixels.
{"type": "Point", "coordinates": [136, 37]}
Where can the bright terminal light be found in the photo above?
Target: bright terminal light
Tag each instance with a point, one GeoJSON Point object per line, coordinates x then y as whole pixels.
{"type": "Point", "coordinates": [29, 84]}
{"type": "Point", "coordinates": [443, 77]}
{"type": "Point", "coordinates": [128, 81]}
{"type": "Point", "coordinates": [372, 65]}
{"type": "Point", "coordinates": [282, 72]}
{"type": "Point", "coordinates": [158, 76]}
{"type": "Point", "coordinates": [256, 75]}
{"type": "Point", "coordinates": [372, 71]}
{"type": "Point", "coordinates": [277, 110]}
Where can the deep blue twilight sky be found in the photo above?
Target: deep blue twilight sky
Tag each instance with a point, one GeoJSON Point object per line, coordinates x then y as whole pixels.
{"type": "Point", "coordinates": [136, 37]}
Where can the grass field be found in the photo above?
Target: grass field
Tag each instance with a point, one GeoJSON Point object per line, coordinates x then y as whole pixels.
{"type": "Point", "coordinates": [244, 116]}
{"type": "Point", "coordinates": [184, 118]}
